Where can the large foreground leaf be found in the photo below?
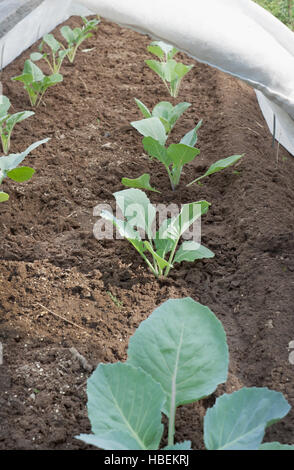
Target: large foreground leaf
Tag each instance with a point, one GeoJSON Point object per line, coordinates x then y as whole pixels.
{"type": "Point", "coordinates": [124, 408]}
{"type": "Point", "coordinates": [185, 445]}
{"type": "Point", "coordinates": [238, 421]}
{"type": "Point", "coordinates": [182, 345]}
{"type": "Point", "coordinates": [275, 446]}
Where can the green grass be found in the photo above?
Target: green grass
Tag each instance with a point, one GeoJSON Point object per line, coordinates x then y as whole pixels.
{"type": "Point", "coordinates": [282, 9]}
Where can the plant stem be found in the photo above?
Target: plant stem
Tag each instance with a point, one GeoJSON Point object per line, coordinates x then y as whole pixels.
{"type": "Point", "coordinates": [195, 181]}
{"type": "Point", "coordinates": [170, 177]}
{"type": "Point", "coordinates": [171, 426]}
{"type": "Point", "coordinates": [153, 270]}
{"type": "Point", "coordinates": [167, 270]}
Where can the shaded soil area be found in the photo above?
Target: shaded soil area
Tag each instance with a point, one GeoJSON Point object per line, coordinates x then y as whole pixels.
{"type": "Point", "coordinates": [63, 293]}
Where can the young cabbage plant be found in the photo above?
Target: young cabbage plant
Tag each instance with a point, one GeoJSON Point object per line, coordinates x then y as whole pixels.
{"type": "Point", "coordinates": [176, 155]}
{"type": "Point", "coordinates": [75, 37]}
{"type": "Point", "coordinates": [53, 59]}
{"type": "Point", "coordinates": [35, 82]}
{"type": "Point", "coordinates": [169, 70]}
{"type": "Point", "coordinates": [178, 355]}
{"type": "Point", "coordinates": [8, 121]}
{"type": "Point", "coordinates": [9, 167]}
{"type": "Point", "coordinates": [165, 111]}
{"type": "Point", "coordinates": [159, 248]}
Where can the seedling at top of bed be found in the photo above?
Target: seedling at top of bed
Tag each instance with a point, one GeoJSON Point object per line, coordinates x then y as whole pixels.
{"type": "Point", "coordinates": [75, 37]}
{"type": "Point", "coordinates": [35, 82]}
{"type": "Point", "coordinates": [57, 56]}
{"type": "Point", "coordinates": [176, 155]}
{"type": "Point", "coordinates": [169, 70]}
{"type": "Point", "coordinates": [9, 167]}
{"type": "Point", "coordinates": [159, 248]}
{"type": "Point", "coordinates": [8, 121]}
{"type": "Point", "coordinates": [178, 355]}
{"type": "Point", "coordinates": [165, 111]}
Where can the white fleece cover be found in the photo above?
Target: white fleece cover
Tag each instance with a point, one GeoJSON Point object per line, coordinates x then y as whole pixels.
{"type": "Point", "coordinates": [236, 36]}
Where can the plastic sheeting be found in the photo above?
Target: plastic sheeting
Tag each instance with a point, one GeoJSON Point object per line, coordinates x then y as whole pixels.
{"type": "Point", "coordinates": [235, 36]}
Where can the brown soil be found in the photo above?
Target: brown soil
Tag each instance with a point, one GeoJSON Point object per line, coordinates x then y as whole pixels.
{"type": "Point", "coordinates": [61, 288]}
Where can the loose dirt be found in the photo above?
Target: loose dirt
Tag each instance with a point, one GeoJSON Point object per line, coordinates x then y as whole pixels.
{"type": "Point", "coordinates": [61, 288]}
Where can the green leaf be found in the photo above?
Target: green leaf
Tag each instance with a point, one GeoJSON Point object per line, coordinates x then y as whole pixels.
{"type": "Point", "coordinates": [190, 251]}
{"type": "Point", "coordinates": [275, 446]}
{"type": "Point", "coordinates": [25, 78]}
{"type": "Point", "coordinates": [123, 227]}
{"type": "Point", "coordinates": [219, 165]}
{"type": "Point", "coordinates": [175, 227]}
{"type": "Point", "coordinates": [68, 34]}
{"type": "Point", "coordinates": [3, 196]}
{"type": "Point", "coordinates": [180, 154]}
{"type": "Point", "coordinates": [156, 50]}
{"type": "Point", "coordinates": [156, 150]}
{"type": "Point", "coordinates": [163, 245]}
{"type": "Point", "coordinates": [144, 110]}
{"type": "Point", "coordinates": [191, 137]}
{"type": "Point", "coordinates": [151, 127]}
{"type": "Point", "coordinates": [157, 67]}
{"type": "Point", "coordinates": [35, 56]}
{"type": "Point", "coordinates": [4, 105]}
{"type": "Point", "coordinates": [169, 70]}
{"type": "Point", "coordinates": [18, 117]}
{"type": "Point", "coordinates": [238, 421]}
{"type": "Point", "coordinates": [186, 445]}
{"type": "Point", "coordinates": [63, 53]}
{"type": "Point", "coordinates": [33, 70]}
{"type": "Point", "coordinates": [14, 159]}
{"type": "Point", "coordinates": [162, 50]}
{"type": "Point", "coordinates": [21, 174]}
{"type": "Point", "coordinates": [137, 209]}
{"type": "Point", "coordinates": [50, 40]}
{"type": "Point", "coordinates": [120, 420]}
{"type": "Point", "coordinates": [142, 182]}
{"type": "Point", "coordinates": [182, 346]}
{"type": "Point", "coordinates": [168, 113]}
{"type": "Point", "coordinates": [163, 110]}
{"type": "Point", "coordinates": [177, 111]}
{"type": "Point", "coordinates": [52, 80]}
{"type": "Point", "coordinates": [181, 69]}
{"type": "Point", "coordinates": [162, 263]}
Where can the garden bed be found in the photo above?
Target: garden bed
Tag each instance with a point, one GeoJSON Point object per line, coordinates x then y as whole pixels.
{"type": "Point", "coordinates": [60, 288]}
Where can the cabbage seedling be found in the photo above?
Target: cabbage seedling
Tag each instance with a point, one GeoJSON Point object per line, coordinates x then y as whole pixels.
{"type": "Point", "coordinates": [159, 249]}
{"type": "Point", "coordinates": [75, 37]}
{"type": "Point", "coordinates": [9, 167]}
{"type": "Point", "coordinates": [58, 53]}
{"type": "Point", "coordinates": [165, 111]}
{"type": "Point", "coordinates": [178, 355]}
{"type": "Point", "coordinates": [169, 70]}
{"type": "Point", "coordinates": [176, 155]}
{"type": "Point", "coordinates": [35, 82]}
{"type": "Point", "coordinates": [8, 121]}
